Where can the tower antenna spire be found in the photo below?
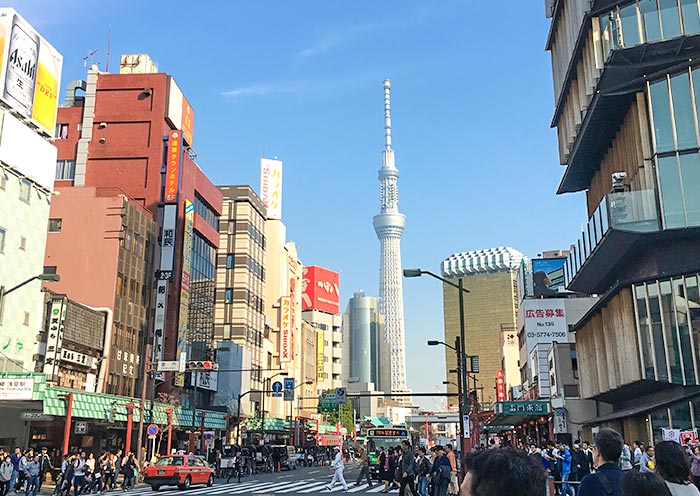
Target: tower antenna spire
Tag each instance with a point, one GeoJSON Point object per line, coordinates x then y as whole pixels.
{"type": "Point", "coordinates": [387, 114]}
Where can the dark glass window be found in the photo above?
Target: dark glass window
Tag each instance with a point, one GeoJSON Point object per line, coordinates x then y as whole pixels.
{"type": "Point", "coordinates": [644, 329]}
{"type": "Point", "coordinates": [630, 26]}
{"type": "Point", "coordinates": [691, 19]}
{"type": "Point", "coordinates": [229, 261]}
{"type": "Point", "coordinates": [650, 20]}
{"type": "Point", "coordinates": [65, 169]}
{"type": "Point", "coordinates": [690, 174]}
{"type": "Point", "coordinates": [661, 109]}
{"type": "Point", "coordinates": [683, 111]}
{"type": "Point", "coordinates": [205, 211]}
{"type": "Point", "coordinates": [657, 332]}
{"type": "Point", "coordinates": [670, 18]}
{"type": "Point", "coordinates": [671, 194]}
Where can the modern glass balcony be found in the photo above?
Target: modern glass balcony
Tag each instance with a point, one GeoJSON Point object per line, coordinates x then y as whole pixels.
{"type": "Point", "coordinates": [617, 223]}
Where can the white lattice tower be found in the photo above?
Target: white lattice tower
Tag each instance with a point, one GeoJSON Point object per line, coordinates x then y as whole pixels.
{"type": "Point", "coordinates": [389, 226]}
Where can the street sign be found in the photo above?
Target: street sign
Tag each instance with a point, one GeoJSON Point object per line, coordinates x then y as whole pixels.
{"type": "Point", "coordinates": [328, 404]}
{"type": "Point", "coordinates": [466, 426]}
{"type": "Point", "coordinates": [244, 429]}
{"type": "Point", "coordinates": [80, 428]}
{"type": "Point", "coordinates": [289, 383]}
{"type": "Point", "coordinates": [169, 366]}
{"type": "Point", "coordinates": [340, 396]}
{"type": "Point", "coordinates": [152, 430]}
{"type": "Point", "coordinates": [183, 362]}
{"type": "Point", "coordinates": [522, 407]}
{"type": "Point", "coordinates": [35, 417]}
{"type": "Point", "coordinates": [289, 395]}
{"type": "Point", "coordinates": [277, 389]}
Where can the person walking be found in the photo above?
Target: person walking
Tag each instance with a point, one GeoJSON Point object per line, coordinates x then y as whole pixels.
{"type": "Point", "coordinates": [80, 470]}
{"type": "Point", "coordinates": [607, 447]}
{"type": "Point", "coordinates": [424, 467]}
{"type": "Point", "coordinates": [31, 474]}
{"type": "Point", "coordinates": [440, 473]}
{"type": "Point", "coordinates": [15, 458]}
{"type": "Point", "coordinates": [564, 457]}
{"type": "Point", "coordinates": [673, 465]}
{"type": "Point", "coordinates": [337, 466]}
{"type": "Point", "coordinates": [453, 487]}
{"type": "Point", "coordinates": [647, 463]}
{"type": "Point", "coordinates": [364, 468]}
{"type": "Point", "coordinates": [694, 466]}
{"type": "Point", "coordinates": [44, 466]}
{"type": "Point", "coordinates": [129, 471]}
{"type": "Point", "coordinates": [626, 458]}
{"type": "Point", "coordinates": [637, 454]}
{"type": "Point", "coordinates": [408, 474]}
{"type": "Point", "coordinates": [5, 475]}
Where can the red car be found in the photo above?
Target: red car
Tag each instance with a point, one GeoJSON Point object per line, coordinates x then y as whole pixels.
{"type": "Point", "coordinates": [179, 470]}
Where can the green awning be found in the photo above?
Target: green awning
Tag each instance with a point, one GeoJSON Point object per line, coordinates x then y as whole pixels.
{"type": "Point", "coordinates": [99, 406]}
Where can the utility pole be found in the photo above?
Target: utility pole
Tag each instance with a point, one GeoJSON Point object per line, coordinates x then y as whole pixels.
{"type": "Point", "coordinates": [142, 407]}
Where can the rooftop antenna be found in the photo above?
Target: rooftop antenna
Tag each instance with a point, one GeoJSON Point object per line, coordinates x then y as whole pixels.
{"type": "Point", "coordinates": [109, 45]}
{"type": "Point", "coordinates": [90, 55]}
{"type": "Point", "coordinates": [387, 114]}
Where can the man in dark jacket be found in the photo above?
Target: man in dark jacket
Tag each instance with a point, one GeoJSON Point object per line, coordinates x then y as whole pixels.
{"type": "Point", "coordinates": [607, 447]}
{"type": "Point", "coordinates": [440, 473]}
{"type": "Point", "coordinates": [44, 466]}
{"type": "Point", "coordinates": [408, 474]}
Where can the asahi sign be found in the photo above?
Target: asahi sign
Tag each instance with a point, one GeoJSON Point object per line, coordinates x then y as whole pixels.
{"type": "Point", "coordinates": [54, 340]}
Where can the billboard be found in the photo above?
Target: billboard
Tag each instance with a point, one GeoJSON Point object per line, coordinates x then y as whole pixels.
{"type": "Point", "coordinates": [547, 276]}
{"type": "Point", "coordinates": [172, 167]}
{"type": "Point", "coordinates": [183, 320]}
{"type": "Point", "coordinates": [285, 329]}
{"type": "Point", "coordinates": [271, 186]}
{"type": "Point", "coordinates": [179, 111]}
{"type": "Point", "coordinates": [30, 71]}
{"type": "Point", "coordinates": [320, 290]}
{"type": "Point", "coordinates": [545, 322]}
{"type": "Point", "coordinates": [54, 340]}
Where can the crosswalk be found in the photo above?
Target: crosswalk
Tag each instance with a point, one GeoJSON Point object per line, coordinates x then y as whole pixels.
{"type": "Point", "coordinates": [253, 487]}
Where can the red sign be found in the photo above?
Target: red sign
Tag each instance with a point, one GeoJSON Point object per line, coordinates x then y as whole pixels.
{"type": "Point", "coordinates": [172, 170]}
{"type": "Point", "coordinates": [187, 121]}
{"type": "Point", "coordinates": [320, 290]}
{"type": "Point", "coordinates": [500, 386]}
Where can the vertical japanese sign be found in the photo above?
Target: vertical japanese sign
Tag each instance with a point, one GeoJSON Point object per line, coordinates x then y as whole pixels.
{"type": "Point", "coordinates": [183, 320]}
{"type": "Point", "coordinates": [172, 167]}
{"type": "Point", "coordinates": [271, 187]}
{"type": "Point", "coordinates": [285, 329]}
{"type": "Point", "coordinates": [292, 314]}
{"type": "Point", "coordinates": [187, 121]}
{"type": "Point", "coordinates": [500, 386]}
{"type": "Point", "coordinates": [320, 353]}
{"type": "Point", "coordinates": [54, 341]}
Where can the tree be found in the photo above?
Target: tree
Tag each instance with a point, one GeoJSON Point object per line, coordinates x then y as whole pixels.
{"type": "Point", "coordinates": [345, 415]}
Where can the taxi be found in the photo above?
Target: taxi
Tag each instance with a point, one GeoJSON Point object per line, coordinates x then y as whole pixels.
{"type": "Point", "coordinates": [179, 470]}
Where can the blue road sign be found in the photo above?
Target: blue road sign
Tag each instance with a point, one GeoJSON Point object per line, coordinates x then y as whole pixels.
{"type": "Point", "coordinates": [340, 396]}
{"type": "Point", "coordinates": [277, 387]}
{"type": "Point", "coordinates": [289, 383]}
{"type": "Point", "coordinates": [152, 430]}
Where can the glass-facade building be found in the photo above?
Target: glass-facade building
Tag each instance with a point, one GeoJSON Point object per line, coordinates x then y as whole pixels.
{"type": "Point", "coordinates": [627, 91]}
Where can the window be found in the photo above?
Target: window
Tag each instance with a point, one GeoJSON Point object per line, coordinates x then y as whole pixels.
{"type": "Point", "coordinates": [26, 319]}
{"type": "Point", "coordinates": [3, 181]}
{"type": "Point", "coordinates": [61, 131]}
{"type": "Point", "coordinates": [65, 169]}
{"type": "Point", "coordinates": [25, 189]}
{"type": "Point", "coordinates": [671, 196]}
{"type": "Point", "coordinates": [49, 269]}
{"type": "Point", "coordinates": [22, 243]}
{"type": "Point", "coordinates": [228, 297]}
{"type": "Point", "coordinates": [3, 233]}
{"type": "Point", "coordinates": [55, 225]}
{"type": "Point", "coordinates": [229, 261]}
{"type": "Point", "coordinates": [205, 211]}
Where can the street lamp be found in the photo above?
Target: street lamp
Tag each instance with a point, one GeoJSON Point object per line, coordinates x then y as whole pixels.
{"type": "Point", "coordinates": [460, 403]}
{"type": "Point", "coordinates": [238, 414]}
{"type": "Point", "coordinates": [42, 277]}
{"type": "Point", "coordinates": [464, 381]}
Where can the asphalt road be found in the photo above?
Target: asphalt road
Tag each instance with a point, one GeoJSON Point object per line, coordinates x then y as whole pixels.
{"type": "Point", "coordinates": [304, 481]}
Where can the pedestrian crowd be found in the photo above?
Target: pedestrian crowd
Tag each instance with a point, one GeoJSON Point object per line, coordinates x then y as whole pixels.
{"type": "Point", "coordinates": [79, 473]}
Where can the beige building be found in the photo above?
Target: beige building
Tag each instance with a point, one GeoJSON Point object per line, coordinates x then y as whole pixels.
{"type": "Point", "coordinates": [329, 347]}
{"type": "Point", "coordinates": [490, 316]}
{"type": "Point", "coordinates": [240, 277]}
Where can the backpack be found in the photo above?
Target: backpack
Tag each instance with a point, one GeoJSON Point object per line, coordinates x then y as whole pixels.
{"type": "Point", "coordinates": [442, 474]}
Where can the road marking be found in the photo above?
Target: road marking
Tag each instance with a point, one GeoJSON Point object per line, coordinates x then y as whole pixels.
{"type": "Point", "coordinates": [314, 471]}
{"type": "Point", "coordinates": [376, 490]}
{"type": "Point", "coordinates": [228, 488]}
{"type": "Point", "coordinates": [359, 488]}
{"type": "Point", "coordinates": [286, 487]}
{"type": "Point", "coordinates": [315, 488]}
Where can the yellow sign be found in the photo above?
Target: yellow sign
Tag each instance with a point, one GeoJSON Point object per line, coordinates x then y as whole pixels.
{"type": "Point", "coordinates": [184, 320]}
{"type": "Point", "coordinates": [30, 71]}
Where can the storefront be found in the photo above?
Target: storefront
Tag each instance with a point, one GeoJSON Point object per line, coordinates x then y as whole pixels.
{"type": "Point", "coordinates": [520, 422]}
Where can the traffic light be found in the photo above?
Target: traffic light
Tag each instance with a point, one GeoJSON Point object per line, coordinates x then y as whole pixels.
{"type": "Point", "coordinates": [112, 413]}
{"type": "Point", "coordinates": [205, 365]}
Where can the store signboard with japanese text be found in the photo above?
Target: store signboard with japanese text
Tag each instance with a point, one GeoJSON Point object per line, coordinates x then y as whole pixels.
{"type": "Point", "coordinates": [320, 290]}
{"type": "Point", "coordinates": [320, 354]}
{"type": "Point", "coordinates": [16, 389]}
{"type": "Point", "coordinates": [172, 167]}
{"type": "Point", "coordinates": [523, 408]}
{"type": "Point", "coordinates": [54, 340]}
{"type": "Point", "coordinates": [271, 187]}
{"type": "Point", "coordinates": [30, 71]}
{"type": "Point", "coordinates": [545, 321]}
{"type": "Point", "coordinates": [285, 329]}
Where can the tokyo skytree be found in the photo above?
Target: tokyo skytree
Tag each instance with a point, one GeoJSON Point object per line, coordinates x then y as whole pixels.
{"type": "Point", "coordinates": [389, 226]}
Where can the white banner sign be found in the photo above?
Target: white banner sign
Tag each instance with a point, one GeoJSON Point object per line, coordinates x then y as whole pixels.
{"type": "Point", "coordinates": [54, 340]}
{"type": "Point", "coordinates": [271, 187]}
{"type": "Point", "coordinates": [79, 358]}
{"type": "Point", "coordinates": [16, 389]}
{"type": "Point", "coordinates": [205, 380]}
{"type": "Point", "coordinates": [545, 322]}
{"type": "Point", "coordinates": [672, 435]}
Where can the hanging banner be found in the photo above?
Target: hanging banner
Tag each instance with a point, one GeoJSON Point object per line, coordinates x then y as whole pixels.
{"type": "Point", "coordinates": [54, 341]}
{"type": "Point", "coordinates": [285, 329]}
{"type": "Point", "coordinates": [183, 321]}
{"type": "Point", "coordinates": [320, 354]}
{"type": "Point", "coordinates": [672, 435]}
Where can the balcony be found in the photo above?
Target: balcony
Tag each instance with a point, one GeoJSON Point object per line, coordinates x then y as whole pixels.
{"type": "Point", "coordinates": [617, 224]}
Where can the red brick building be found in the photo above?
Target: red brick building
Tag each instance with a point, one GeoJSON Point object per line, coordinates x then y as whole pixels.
{"type": "Point", "coordinates": [114, 132]}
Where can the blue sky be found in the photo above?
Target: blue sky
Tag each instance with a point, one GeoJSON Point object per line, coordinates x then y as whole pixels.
{"type": "Point", "coordinates": [471, 105]}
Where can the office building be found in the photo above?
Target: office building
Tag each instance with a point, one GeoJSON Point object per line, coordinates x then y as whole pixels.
{"type": "Point", "coordinates": [132, 133]}
{"type": "Point", "coordinates": [626, 85]}
{"type": "Point", "coordinates": [489, 315]}
{"type": "Point", "coordinates": [320, 305]}
{"type": "Point", "coordinates": [240, 284]}
{"type": "Point", "coordinates": [27, 168]}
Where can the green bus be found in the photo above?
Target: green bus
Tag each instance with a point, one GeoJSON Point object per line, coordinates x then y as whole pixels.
{"type": "Point", "coordinates": [386, 437]}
